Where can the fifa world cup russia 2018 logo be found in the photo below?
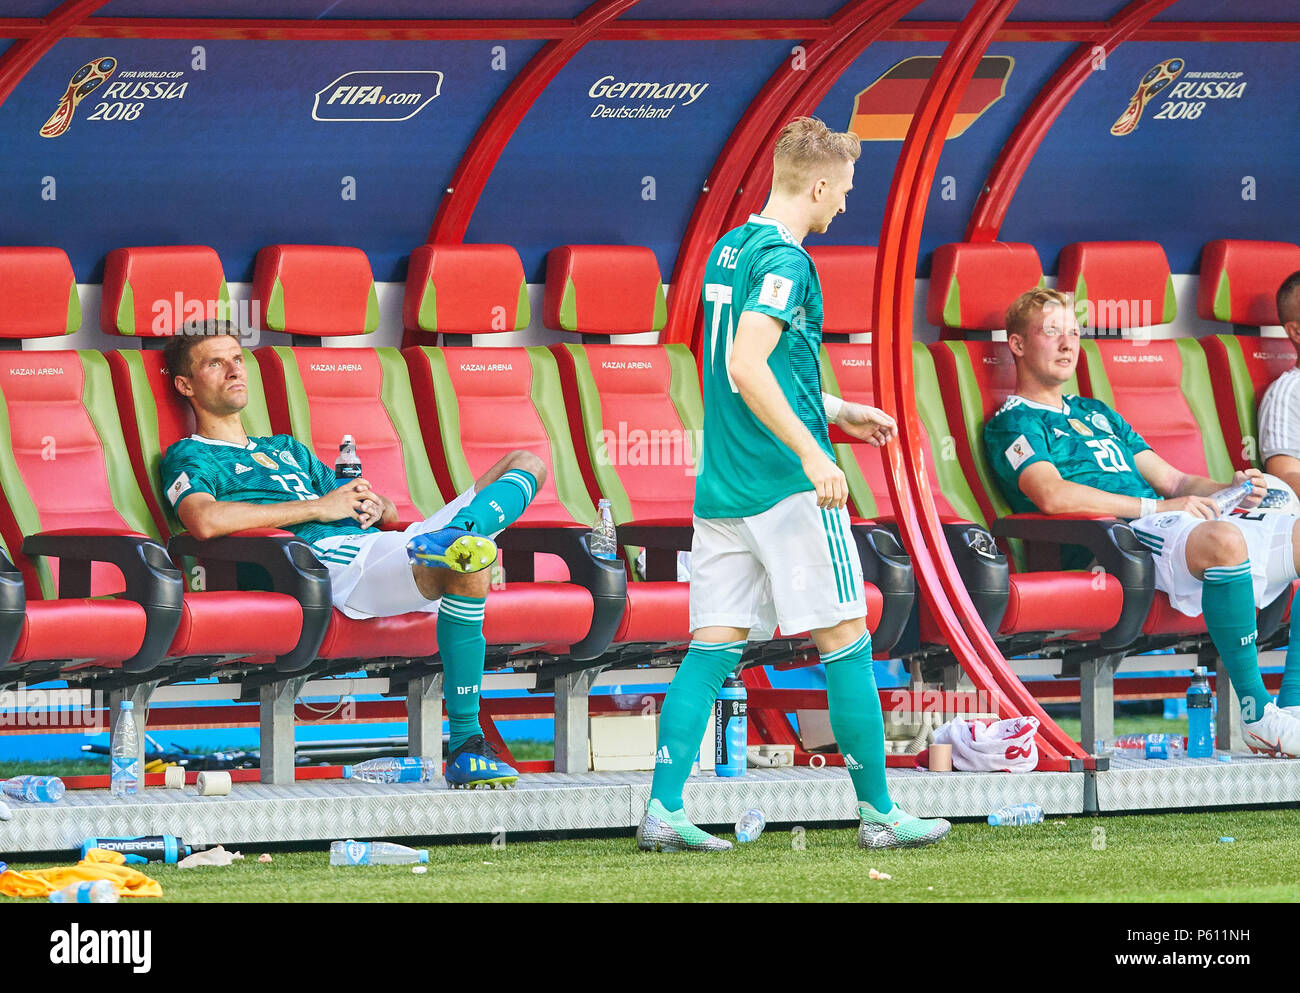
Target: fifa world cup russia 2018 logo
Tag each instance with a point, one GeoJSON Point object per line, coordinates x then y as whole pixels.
{"type": "Point", "coordinates": [1152, 83]}
{"type": "Point", "coordinates": [84, 81]}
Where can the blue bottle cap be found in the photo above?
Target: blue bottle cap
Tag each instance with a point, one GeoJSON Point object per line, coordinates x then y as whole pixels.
{"type": "Point", "coordinates": [347, 772]}
{"type": "Point", "coordinates": [424, 856]}
{"type": "Point", "coordinates": [128, 705]}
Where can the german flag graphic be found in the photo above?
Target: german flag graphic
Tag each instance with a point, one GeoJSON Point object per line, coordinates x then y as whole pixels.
{"type": "Point", "coordinates": [883, 111]}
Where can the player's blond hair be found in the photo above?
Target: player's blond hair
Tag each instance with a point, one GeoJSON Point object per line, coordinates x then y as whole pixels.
{"type": "Point", "coordinates": [1029, 306]}
{"type": "Point", "coordinates": [803, 151]}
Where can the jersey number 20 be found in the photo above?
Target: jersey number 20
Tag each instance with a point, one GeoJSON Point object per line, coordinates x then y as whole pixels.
{"type": "Point", "coordinates": [1109, 455]}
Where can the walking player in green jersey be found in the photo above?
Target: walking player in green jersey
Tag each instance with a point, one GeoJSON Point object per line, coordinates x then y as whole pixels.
{"type": "Point", "coordinates": [219, 481]}
{"type": "Point", "coordinates": [772, 542]}
{"type": "Point", "coordinates": [1058, 453]}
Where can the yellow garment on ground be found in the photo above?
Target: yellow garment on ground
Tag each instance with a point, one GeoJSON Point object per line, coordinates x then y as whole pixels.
{"type": "Point", "coordinates": [98, 864]}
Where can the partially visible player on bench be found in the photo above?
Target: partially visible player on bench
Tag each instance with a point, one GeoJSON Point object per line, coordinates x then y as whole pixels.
{"type": "Point", "coordinates": [1279, 411]}
{"type": "Point", "coordinates": [219, 481]}
{"type": "Point", "coordinates": [1061, 454]}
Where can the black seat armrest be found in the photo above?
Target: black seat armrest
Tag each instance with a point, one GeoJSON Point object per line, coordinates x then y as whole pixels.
{"type": "Point", "coordinates": [1116, 549]}
{"type": "Point", "coordinates": [604, 579]}
{"type": "Point", "coordinates": [151, 579]}
{"type": "Point", "coordinates": [294, 571]}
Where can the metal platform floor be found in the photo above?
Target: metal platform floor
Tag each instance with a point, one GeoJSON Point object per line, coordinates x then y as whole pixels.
{"type": "Point", "coordinates": [335, 809]}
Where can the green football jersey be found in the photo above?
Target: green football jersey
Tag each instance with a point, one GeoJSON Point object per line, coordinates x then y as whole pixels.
{"type": "Point", "coordinates": [744, 467]}
{"type": "Point", "coordinates": [1088, 443]}
{"type": "Point", "coordinates": [267, 470]}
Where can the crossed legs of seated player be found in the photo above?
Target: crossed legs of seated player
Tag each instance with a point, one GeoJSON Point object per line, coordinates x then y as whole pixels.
{"type": "Point", "coordinates": [502, 495]}
{"type": "Point", "coordinates": [855, 718]}
{"type": "Point", "coordinates": [1217, 554]}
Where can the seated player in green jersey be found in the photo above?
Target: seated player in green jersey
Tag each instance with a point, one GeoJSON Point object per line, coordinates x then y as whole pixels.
{"type": "Point", "coordinates": [1063, 454]}
{"type": "Point", "coordinates": [220, 481]}
{"type": "Point", "coordinates": [772, 542]}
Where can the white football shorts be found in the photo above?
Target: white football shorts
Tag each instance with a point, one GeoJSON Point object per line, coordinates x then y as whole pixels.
{"type": "Point", "coordinates": [794, 565]}
{"type": "Point", "coordinates": [370, 574]}
{"type": "Point", "coordinates": [1268, 543]}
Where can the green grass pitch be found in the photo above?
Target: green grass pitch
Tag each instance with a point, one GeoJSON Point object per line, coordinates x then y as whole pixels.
{"type": "Point", "coordinates": [1163, 857]}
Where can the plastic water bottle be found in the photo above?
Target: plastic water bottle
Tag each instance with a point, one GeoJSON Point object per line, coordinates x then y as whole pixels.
{"type": "Point", "coordinates": [730, 729]}
{"type": "Point", "coordinates": [1017, 815]}
{"type": "Point", "coordinates": [750, 825]}
{"type": "Point", "coordinates": [375, 853]}
{"type": "Point", "coordinates": [1165, 746]}
{"type": "Point", "coordinates": [1142, 746]}
{"type": "Point", "coordinates": [348, 465]}
{"type": "Point", "coordinates": [604, 538]}
{"type": "Point", "coordinates": [1227, 499]}
{"type": "Point", "coordinates": [1200, 736]}
{"type": "Point", "coordinates": [394, 770]}
{"type": "Point", "coordinates": [124, 776]}
{"type": "Point", "coordinates": [100, 891]}
{"type": "Point", "coordinates": [34, 789]}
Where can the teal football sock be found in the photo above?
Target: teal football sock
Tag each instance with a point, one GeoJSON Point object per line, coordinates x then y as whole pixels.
{"type": "Point", "coordinates": [1228, 603]}
{"type": "Point", "coordinates": [688, 705]}
{"type": "Point", "coordinates": [856, 721]}
{"type": "Point", "coordinates": [499, 504]}
{"type": "Point", "coordinates": [461, 645]}
{"type": "Point", "coordinates": [1289, 694]}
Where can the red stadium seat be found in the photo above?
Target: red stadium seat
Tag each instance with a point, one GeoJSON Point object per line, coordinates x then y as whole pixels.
{"type": "Point", "coordinates": [1020, 608]}
{"type": "Point", "coordinates": [1161, 387]}
{"type": "Point", "coordinates": [320, 394]}
{"type": "Point", "coordinates": [73, 506]}
{"type": "Point", "coordinates": [638, 412]}
{"type": "Point", "coordinates": [477, 404]}
{"type": "Point", "coordinates": [1238, 286]}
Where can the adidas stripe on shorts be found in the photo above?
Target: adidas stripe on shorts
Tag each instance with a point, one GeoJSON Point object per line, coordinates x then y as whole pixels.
{"type": "Point", "coordinates": [1268, 543]}
{"type": "Point", "coordinates": [370, 574]}
{"type": "Point", "coordinates": [794, 565]}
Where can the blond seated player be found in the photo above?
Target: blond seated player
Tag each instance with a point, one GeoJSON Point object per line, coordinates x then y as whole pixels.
{"type": "Point", "coordinates": [1055, 453]}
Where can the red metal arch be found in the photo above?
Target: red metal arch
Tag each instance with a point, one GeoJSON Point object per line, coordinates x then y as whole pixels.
{"type": "Point", "coordinates": [1004, 178]}
{"type": "Point", "coordinates": [892, 312]}
{"type": "Point", "coordinates": [865, 20]}
{"type": "Point", "coordinates": [758, 174]}
{"type": "Point", "coordinates": [17, 62]}
{"type": "Point", "coordinates": [485, 148]}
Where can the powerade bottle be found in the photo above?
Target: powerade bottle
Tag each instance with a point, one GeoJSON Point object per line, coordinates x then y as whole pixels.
{"type": "Point", "coordinates": [1200, 737]}
{"type": "Point", "coordinates": [151, 848]}
{"type": "Point", "coordinates": [349, 464]}
{"type": "Point", "coordinates": [124, 775]}
{"type": "Point", "coordinates": [730, 730]}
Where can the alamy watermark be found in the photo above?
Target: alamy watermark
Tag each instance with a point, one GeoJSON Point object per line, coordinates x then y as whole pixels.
{"type": "Point", "coordinates": [662, 447]}
{"type": "Point", "coordinates": [40, 709]}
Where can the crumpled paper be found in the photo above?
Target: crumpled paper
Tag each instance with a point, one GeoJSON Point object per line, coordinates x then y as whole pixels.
{"type": "Point", "coordinates": [213, 856]}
